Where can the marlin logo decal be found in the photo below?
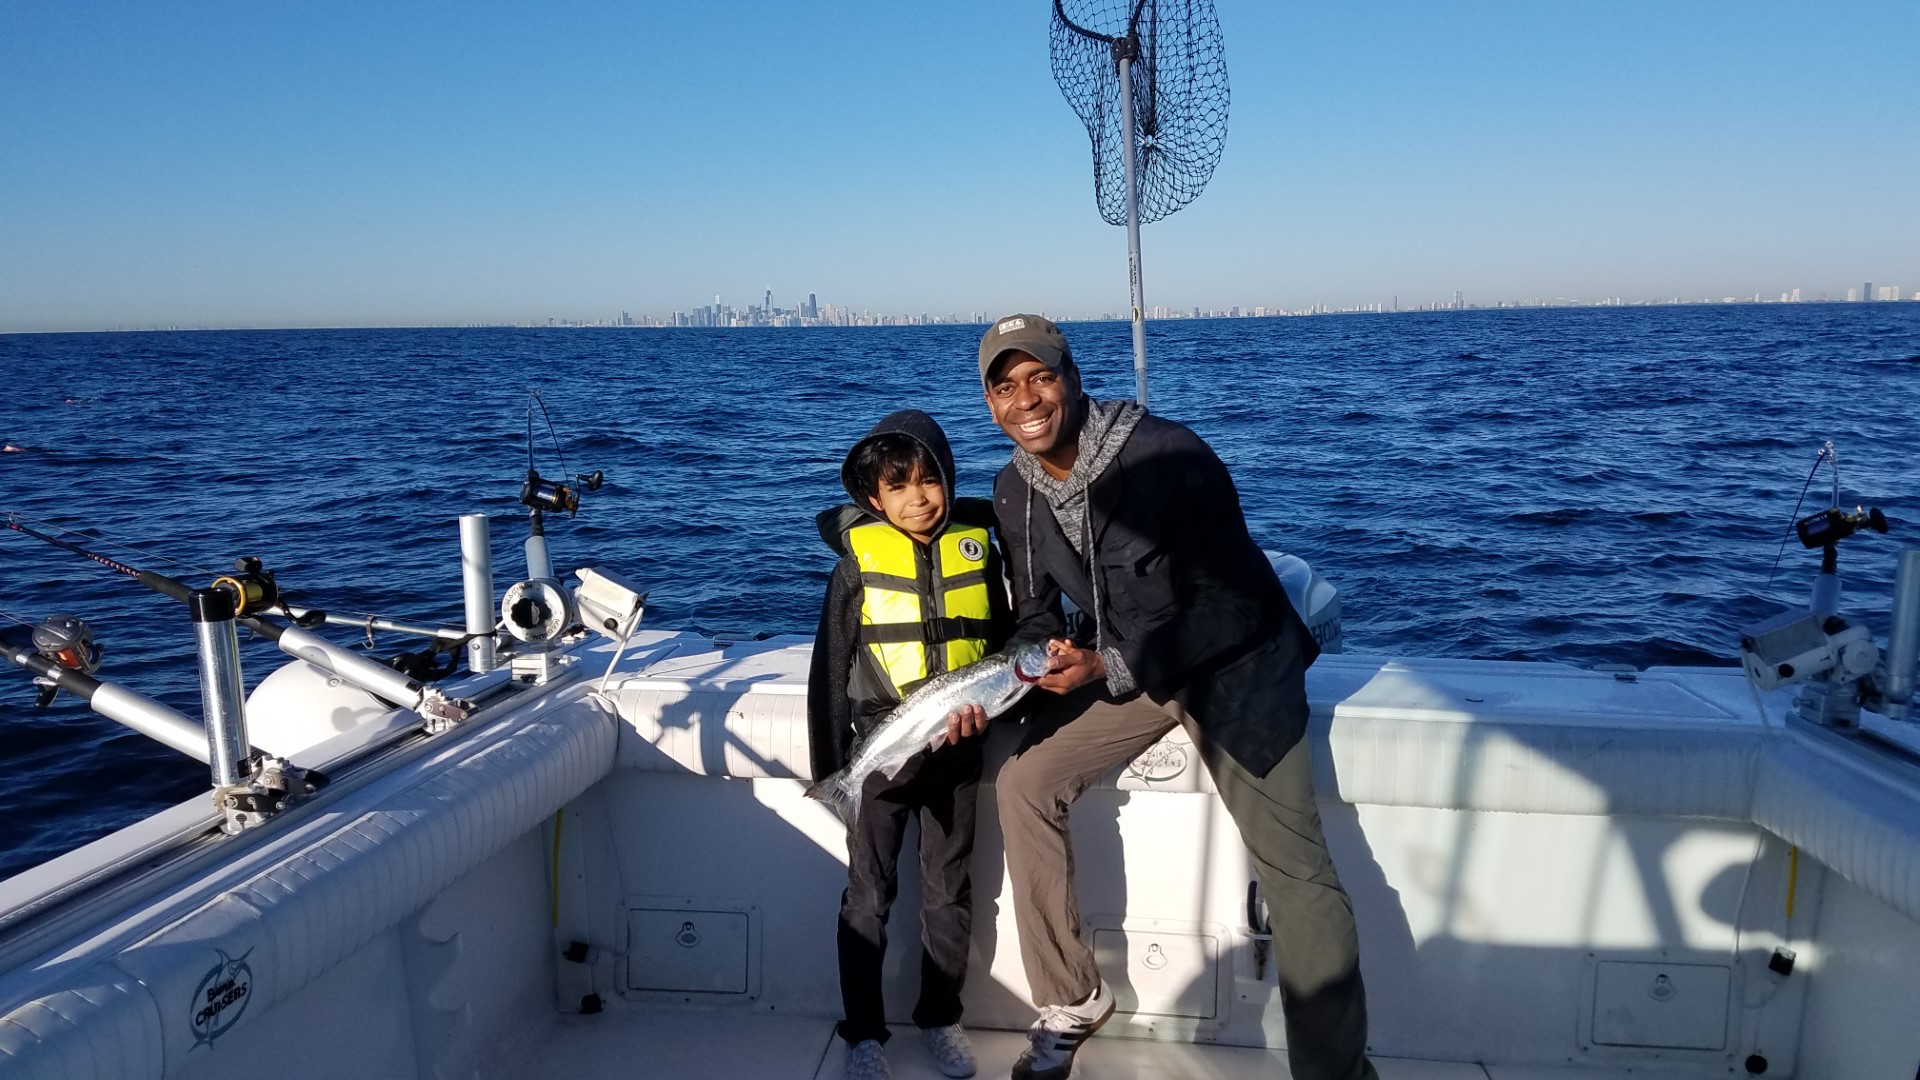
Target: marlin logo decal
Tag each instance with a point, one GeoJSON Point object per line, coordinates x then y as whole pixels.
{"type": "Point", "coordinates": [221, 998]}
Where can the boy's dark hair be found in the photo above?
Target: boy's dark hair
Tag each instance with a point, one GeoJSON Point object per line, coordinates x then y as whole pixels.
{"type": "Point", "coordinates": [891, 458]}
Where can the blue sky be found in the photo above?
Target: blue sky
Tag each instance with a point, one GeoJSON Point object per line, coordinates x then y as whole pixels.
{"type": "Point", "coordinates": [279, 164]}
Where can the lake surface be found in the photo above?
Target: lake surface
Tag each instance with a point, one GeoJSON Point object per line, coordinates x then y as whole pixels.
{"type": "Point", "coordinates": [1587, 485]}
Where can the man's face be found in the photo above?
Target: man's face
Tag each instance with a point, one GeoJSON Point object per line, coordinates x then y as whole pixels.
{"type": "Point", "coordinates": [1034, 404]}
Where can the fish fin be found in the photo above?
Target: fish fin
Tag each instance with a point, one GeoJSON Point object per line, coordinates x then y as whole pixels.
{"type": "Point", "coordinates": [839, 797]}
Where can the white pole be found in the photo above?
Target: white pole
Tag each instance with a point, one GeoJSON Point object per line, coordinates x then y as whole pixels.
{"type": "Point", "coordinates": [539, 564]}
{"type": "Point", "coordinates": [1125, 52]}
{"type": "Point", "coordinates": [476, 571]}
{"type": "Point", "coordinates": [1903, 639]}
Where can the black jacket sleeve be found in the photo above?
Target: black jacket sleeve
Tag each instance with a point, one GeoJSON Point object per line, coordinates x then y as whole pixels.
{"type": "Point", "coordinates": [829, 709]}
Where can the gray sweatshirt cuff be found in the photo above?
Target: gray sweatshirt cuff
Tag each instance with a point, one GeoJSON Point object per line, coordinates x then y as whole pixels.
{"type": "Point", "coordinates": [1119, 679]}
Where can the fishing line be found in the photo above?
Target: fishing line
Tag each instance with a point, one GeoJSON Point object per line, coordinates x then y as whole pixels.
{"type": "Point", "coordinates": [551, 434]}
{"type": "Point", "coordinates": [1826, 454]}
{"type": "Point", "coordinates": [108, 541]}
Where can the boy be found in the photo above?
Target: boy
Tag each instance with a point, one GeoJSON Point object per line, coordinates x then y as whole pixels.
{"type": "Point", "coordinates": [917, 592]}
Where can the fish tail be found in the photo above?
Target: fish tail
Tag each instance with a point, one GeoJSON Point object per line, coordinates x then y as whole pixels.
{"type": "Point", "coordinates": [840, 795]}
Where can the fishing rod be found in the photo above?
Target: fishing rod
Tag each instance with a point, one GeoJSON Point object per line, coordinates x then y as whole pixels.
{"type": "Point", "coordinates": [61, 654]}
{"type": "Point", "coordinates": [255, 592]}
{"type": "Point", "coordinates": [249, 784]}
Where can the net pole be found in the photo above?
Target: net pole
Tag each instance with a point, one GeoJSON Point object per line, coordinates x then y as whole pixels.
{"type": "Point", "coordinates": [1133, 228]}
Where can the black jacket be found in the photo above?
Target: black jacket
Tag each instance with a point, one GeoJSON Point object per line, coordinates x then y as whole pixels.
{"type": "Point", "coordinates": [1186, 596]}
{"type": "Point", "coordinates": [847, 693]}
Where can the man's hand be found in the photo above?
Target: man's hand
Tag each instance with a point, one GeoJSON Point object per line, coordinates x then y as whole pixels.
{"type": "Point", "coordinates": [1071, 667]}
{"type": "Point", "coordinates": [965, 721]}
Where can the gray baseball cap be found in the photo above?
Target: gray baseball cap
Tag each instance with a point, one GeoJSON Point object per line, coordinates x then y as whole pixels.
{"type": "Point", "coordinates": [1034, 335]}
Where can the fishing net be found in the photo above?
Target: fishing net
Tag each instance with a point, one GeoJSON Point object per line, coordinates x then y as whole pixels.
{"type": "Point", "coordinates": [1179, 77]}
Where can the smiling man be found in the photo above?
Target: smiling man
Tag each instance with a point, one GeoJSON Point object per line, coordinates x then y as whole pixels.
{"type": "Point", "coordinates": [1184, 623]}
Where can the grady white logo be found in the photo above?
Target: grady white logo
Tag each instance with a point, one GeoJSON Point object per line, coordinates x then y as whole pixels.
{"type": "Point", "coordinates": [221, 997]}
{"type": "Point", "coordinates": [971, 550]}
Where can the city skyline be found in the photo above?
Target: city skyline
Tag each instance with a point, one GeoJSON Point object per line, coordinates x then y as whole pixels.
{"type": "Point", "coordinates": [358, 165]}
{"type": "Point", "coordinates": [720, 315]}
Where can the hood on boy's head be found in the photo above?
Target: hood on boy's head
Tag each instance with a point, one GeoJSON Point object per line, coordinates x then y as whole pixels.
{"type": "Point", "coordinates": [915, 425]}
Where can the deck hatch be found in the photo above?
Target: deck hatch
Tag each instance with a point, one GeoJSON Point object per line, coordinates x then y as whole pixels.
{"type": "Point", "coordinates": [1676, 1006]}
{"type": "Point", "coordinates": [1160, 972]}
{"type": "Point", "coordinates": [687, 950]}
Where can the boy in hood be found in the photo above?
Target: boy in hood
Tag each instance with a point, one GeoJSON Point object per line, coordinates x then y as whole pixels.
{"type": "Point", "coordinates": [917, 593]}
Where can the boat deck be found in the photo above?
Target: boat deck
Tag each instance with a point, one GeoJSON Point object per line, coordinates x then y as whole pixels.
{"type": "Point", "coordinates": [764, 1047]}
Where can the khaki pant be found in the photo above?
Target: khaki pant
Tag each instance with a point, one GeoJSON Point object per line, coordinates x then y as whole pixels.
{"type": "Point", "coordinates": [1073, 740]}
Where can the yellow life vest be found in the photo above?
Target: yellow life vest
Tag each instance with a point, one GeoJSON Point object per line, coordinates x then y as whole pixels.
{"type": "Point", "coordinates": [914, 623]}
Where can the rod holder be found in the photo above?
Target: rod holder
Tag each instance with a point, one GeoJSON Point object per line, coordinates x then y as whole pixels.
{"type": "Point", "coordinates": [539, 565]}
{"type": "Point", "coordinates": [476, 571]}
{"type": "Point", "coordinates": [1903, 637]}
{"type": "Point", "coordinates": [218, 644]}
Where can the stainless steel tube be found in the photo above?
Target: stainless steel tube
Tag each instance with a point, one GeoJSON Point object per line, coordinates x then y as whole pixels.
{"type": "Point", "coordinates": [1903, 638]}
{"type": "Point", "coordinates": [218, 644]}
{"type": "Point", "coordinates": [370, 675]}
{"type": "Point", "coordinates": [476, 571]}
{"type": "Point", "coordinates": [154, 720]}
{"type": "Point", "coordinates": [376, 622]}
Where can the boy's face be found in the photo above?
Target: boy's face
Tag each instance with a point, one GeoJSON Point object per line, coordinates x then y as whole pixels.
{"type": "Point", "coordinates": [916, 507]}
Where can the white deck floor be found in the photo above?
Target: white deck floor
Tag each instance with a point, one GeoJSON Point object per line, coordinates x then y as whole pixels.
{"type": "Point", "coordinates": [622, 1045]}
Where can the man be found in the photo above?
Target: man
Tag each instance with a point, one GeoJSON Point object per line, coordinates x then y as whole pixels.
{"type": "Point", "coordinates": [1136, 520]}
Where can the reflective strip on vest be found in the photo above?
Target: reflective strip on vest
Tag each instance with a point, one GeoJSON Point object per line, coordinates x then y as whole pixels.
{"type": "Point", "coordinates": [892, 595]}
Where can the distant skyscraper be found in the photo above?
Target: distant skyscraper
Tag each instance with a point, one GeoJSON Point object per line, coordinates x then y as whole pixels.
{"type": "Point", "coordinates": [813, 306]}
{"type": "Point", "coordinates": [767, 305]}
{"type": "Point", "coordinates": [1866, 291]}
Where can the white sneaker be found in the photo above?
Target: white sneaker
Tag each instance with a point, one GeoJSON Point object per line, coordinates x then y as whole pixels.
{"type": "Point", "coordinates": [867, 1060]}
{"type": "Point", "coordinates": [1056, 1036]}
{"type": "Point", "coordinates": [951, 1050]}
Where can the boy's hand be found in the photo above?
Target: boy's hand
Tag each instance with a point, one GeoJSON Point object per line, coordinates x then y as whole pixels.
{"type": "Point", "coordinates": [1071, 667]}
{"type": "Point", "coordinates": [964, 721]}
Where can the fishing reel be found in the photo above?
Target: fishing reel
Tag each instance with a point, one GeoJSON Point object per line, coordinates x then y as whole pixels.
{"type": "Point", "coordinates": [253, 588]}
{"type": "Point", "coordinates": [67, 641]}
{"type": "Point", "coordinates": [1828, 527]}
{"type": "Point", "coordinates": [540, 493]}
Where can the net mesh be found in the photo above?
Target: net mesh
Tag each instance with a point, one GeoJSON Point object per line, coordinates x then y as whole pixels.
{"type": "Point", "coordinates": [1179, 78]}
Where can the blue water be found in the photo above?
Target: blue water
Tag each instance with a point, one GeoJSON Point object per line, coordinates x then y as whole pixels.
{"type": "Point", "coordinates": [1576, 485]}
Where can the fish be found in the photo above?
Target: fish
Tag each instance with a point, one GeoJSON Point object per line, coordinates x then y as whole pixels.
{"type": "Point", "coordinates": [919, 723]}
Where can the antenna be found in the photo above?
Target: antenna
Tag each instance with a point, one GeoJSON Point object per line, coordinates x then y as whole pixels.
{"type": "Point", "coordinates": [1154, 146]}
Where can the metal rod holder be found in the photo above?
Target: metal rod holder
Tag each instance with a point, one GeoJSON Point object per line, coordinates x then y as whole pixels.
{"type": "Point", "coordinates": [1903, 637]}
{"type": "Point", "coordinates": [218, 644]}
{"type": "Point", "coordinates": [476, 571]}
{"type": "Point", "coordinates": [539, 564]}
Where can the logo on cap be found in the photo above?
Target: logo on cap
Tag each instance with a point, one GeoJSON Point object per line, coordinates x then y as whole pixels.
{"type": "Point", "coordinates": [1011, 325]}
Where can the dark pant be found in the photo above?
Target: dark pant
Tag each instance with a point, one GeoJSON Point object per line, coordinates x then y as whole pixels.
{"type": "Point", "coordinates": [942, 788]}
{"type": "Point", "coordinates": [1070, 742]}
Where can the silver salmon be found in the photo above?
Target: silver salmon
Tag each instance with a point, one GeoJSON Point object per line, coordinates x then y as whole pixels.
{"type": "Point", "coordinates": [920, 722]}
